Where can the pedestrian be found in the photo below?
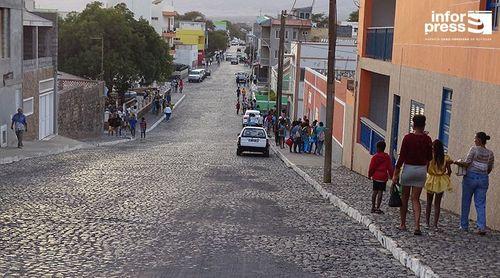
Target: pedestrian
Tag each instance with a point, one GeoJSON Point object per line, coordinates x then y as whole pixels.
{"type": "Point", "coordinates": [132, 122]}
{"type": "Point", "coordinates": [143, 126]}
{"type": "Point", "coordinates": [282, 133]}
{"type": "Point", "coordinates": [244, 106]}
{"type": "Point", "coordinates": [156, 105]}
{"type": "Point", "coordinates": [238, 92]}
{"type": "Point", "coordinates": [111, 124]}
{"type": "Point", "coordinates": [181, 85]}
{"type": "Point", "coordinates": [320, 131]}
{"type": "Point", "coordinates": [479, 164]}
{"type": "Point", "coordinates": [312, 135]}
{"type": "Point", "coordinates": [437, 182]}
{"type": "Point", "coordinates": [305, 130]}
{"type": "Point", "coordinates": [297, 137]}
{"type": "Point", "coordinates": [168, 112]}
{"type": "Point", "coordinates": [415, 155]}
{"type": "Point", "coordinates": [379, 172]}
{"type": "Point", "coordinates": [174, 85]}
{"type": "Point", "coordinates": [238, 107]}
{"type": "Point", "coordinates": [19, 125]}
{"type": "Point", "coordinates": [168, 98]}
{"type": "Point", "coordinates": [244, 93]}
{"type": "Point", "coordinates": [117, 125]}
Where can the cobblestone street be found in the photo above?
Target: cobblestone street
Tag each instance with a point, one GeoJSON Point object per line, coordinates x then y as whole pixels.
{"type": "Point", "coordinates": [178, 204]}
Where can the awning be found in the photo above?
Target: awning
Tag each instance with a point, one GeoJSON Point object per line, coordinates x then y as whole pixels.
{"type": "Point", "coordinates": [30, 19]}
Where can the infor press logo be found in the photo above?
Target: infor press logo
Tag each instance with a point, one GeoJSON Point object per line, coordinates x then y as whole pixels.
{"type": "Point", "coordinates": [477, 22]}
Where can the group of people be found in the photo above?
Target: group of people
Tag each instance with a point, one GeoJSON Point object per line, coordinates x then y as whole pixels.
{"type": "Point", "coordinates": [247, 101]}
{"type": "Point", "coordinates": [121, 121]}
{"type": "Point", "coordinates": [423, 163]}
{"type": "Point", "coordinates": [177, 85]}
{"type": "Point", "coordinates": [303, 136]}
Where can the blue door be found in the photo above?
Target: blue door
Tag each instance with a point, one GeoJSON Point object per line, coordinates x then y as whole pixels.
{"type": "Point", "coordinates": [444, 127]}
{"type": "Point", "coordinates": [396, 107]}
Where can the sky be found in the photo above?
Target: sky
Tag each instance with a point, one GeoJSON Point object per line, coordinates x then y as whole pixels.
{"type": "Point", "coordinates": [219, 8]}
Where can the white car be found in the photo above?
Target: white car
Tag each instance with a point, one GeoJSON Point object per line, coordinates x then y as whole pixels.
{"type": "Point", "coordinates": [196, 75]}
{"type": "Point", "coordinates": [253, 139]}
{"type": "Point", "coordinates": [256, 121]}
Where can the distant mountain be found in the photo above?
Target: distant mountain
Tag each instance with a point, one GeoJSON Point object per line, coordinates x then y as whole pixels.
{"type": "Point", "coordinates": [234, 10]}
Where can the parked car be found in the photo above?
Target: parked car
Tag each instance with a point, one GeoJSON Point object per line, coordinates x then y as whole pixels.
{"type": "Point", "coordinates": [241, 77]}
{"type": "Point", "coordinates": [257, 121]}
{"type": "Point", "coordinates": [196, 75]}
{"type": "Point", "coordinates": [234, 61]}
{"type": "Point", "coordinates": [253, 139]}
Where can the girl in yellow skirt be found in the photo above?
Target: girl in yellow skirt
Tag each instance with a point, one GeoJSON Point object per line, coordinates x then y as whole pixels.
{"type": "Point", "coordinates": [438, 180]}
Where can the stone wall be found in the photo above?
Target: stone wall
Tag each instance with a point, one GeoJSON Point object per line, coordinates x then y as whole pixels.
{"type": "Point", "coordinates": [81, 111]}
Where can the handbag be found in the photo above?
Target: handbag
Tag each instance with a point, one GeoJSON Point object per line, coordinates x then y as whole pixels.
{"type": "Point", "coordinates": [289, 142]}
{"type": "Point", "coordinates": [395, 199]}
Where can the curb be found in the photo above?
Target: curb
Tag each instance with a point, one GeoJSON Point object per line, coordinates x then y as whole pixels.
{"type": "Point", "coordinates": [163, 117]}
{"type": "Point", "coordinates": [9, 160]}
{"type": "Point", "coordinates": [409, 261]}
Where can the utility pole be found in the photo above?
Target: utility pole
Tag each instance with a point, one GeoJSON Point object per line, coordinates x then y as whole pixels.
{"type": "Point", "coordinates": [330, 90]}
{"type": "Point", "coordinates": [281, 57]}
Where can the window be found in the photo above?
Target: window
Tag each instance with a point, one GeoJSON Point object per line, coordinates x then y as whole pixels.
{"type": "Point", "coordinates": [254, 133]}
{"type": "Point", "coordinates": [444, 126]}
{"type": "Point", "coordinates": [4, 33]}
{"type": "Point", "coordinates": [294, 35]}
{"type": "Point", "coordinates": [276, 54]}
{"type": "Point", "coordinates": [28, 106]}
{"type": "Point", "coordinates": [277, 34]}
{"type": "Point", "coordinates": [286, 35]}
{"type": "Point", "coordinates": [154, 18]}
{"type": "Point", "coordinates": [416, 108]}
{"type": "Point", "coordinates": [301, 15]}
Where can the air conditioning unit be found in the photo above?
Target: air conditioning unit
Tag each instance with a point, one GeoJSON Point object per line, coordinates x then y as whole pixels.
{"type": "Point", "coordinates": [3, 136]}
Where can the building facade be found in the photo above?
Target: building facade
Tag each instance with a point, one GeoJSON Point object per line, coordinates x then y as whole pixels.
{"type": "Point", "coordinates": [40, 73]}
{"type": "Point", "coordinates": [140, 8]}
{"type": "Point", "coordinates": [193, 33]}
{"type": "Point", "coordinates": [314, 55]}
{"type": "Point", "coordinates": [295, 30]}
{"type": "Point", "coordinates": [11, 62]}
{"type": "Point", "coordinates": [408, 68]}
{"type": "Point", "coordinates": [314, 107]}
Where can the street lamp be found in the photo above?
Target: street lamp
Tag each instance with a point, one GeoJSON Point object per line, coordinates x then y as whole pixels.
{"type": "Point", "coordinates": [102, 55]}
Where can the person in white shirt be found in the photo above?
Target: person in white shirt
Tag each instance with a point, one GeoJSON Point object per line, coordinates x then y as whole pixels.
{"type": "Point", "coordinates": [168, 113]}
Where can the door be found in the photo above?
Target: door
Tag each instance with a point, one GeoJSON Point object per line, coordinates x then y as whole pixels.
{"type": "Point", "coordinates": [396, 107]}
{"type": "Point", "coordinates": [46, 115]}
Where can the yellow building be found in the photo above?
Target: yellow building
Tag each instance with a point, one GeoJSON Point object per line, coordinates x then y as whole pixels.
{"type": "Point", "coordinates": [193, 33]}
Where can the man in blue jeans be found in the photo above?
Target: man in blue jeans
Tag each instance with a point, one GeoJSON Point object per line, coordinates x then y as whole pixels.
{"type": "Point", "coordinates": [19, 125]}
{"type": "Point", "coordinates": [168, 112]}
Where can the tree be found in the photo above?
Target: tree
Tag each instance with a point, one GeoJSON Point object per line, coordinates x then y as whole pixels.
{"type": "Point", "coordinates": [235, 30]}
{"type": "Point", "coordinates": [133, 51]}
{"type": "Point", "coordinates": [354, 16]}
{"type": "Point", "coordinates": [320, 19]}
{"type": "Point", "coordinates": [217, 40]}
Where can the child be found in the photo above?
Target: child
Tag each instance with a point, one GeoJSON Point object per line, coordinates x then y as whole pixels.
{"type": "Point", "coordinates": [380, 171]}
{"type": "Point", "coordinates": [438, 180]}
{"type": "Point", "coordinates": [143, 126]}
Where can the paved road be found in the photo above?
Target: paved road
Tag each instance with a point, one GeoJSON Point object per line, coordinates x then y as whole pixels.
{"type": "Point", "coordinates": [179, 204]}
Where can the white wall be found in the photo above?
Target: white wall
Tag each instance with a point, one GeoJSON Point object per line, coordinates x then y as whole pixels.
{"type": "Point", "coordinates": [140, 8]}
{"type": "Point", "coordinates": [162, 23]}
{"type": "Point", "coordinates": [186, 55]}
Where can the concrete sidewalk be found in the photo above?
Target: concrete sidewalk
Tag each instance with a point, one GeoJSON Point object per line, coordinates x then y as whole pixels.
{"type": "Point", "coordinates": [59, 144]}
{"type": "Point", "coordinates": [445, 253]}
{"type": "Point", "coordinates": [31, 149]}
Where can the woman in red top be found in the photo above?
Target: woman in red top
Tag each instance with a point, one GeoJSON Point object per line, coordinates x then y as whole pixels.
{"type": "Point", "coordinates": [415, 154]}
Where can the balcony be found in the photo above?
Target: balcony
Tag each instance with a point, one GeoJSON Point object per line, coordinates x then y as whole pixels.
{"type": "Point", "coordinates": [379, 41]}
